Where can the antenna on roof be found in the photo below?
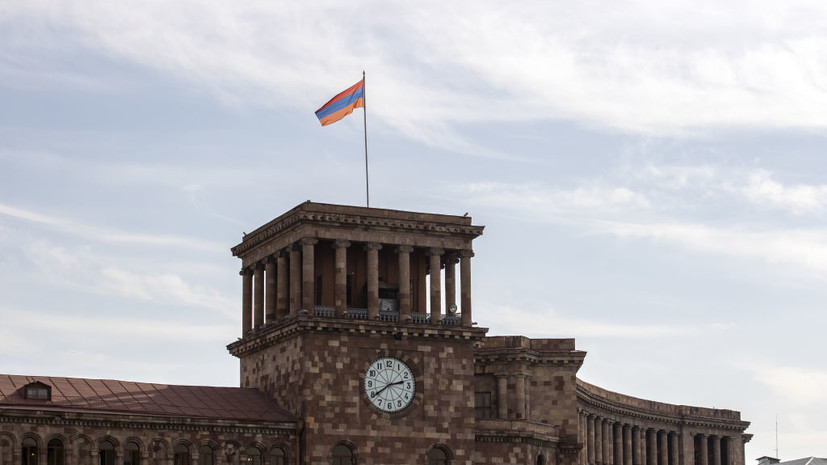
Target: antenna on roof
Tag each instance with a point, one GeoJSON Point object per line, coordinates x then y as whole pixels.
{"type": "Point", "coordinates": [776, 437]}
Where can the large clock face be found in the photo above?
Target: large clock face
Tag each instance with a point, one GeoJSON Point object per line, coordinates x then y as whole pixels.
{"type": "Point", "coordinates": [389, 384]}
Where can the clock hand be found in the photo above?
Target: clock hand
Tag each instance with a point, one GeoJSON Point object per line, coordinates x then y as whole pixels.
{"type": "Point", "coordinates": [387, 386]}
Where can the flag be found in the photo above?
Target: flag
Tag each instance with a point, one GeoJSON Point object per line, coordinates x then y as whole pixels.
{"type": "Point", "coordinates": [343, 104]}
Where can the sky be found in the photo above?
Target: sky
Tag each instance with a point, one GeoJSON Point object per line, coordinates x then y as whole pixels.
{"type": "Point", "coordinates": [651, 176]}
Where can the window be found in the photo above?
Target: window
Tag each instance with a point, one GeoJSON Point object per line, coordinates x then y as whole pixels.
{"type": "Point", "coordinates": [54, 452]}
{"type": "Point", "coordinates": [541, 460]}
{"type": "Point", "coordinates": [131, 454]}
{"type": "Point", "coordinates": [37, 391]}
{"type": "Point", "coordinates": [252, 456]}
{"type": "Point", "coordinates": [106, 453]}
{"type": "Point", "coordinates": [437, 456]}
{"type": "Point", "coordinates": [482, 405]}
{"type": "Point", "coordinates": [29, 452]}
{"type": "Point", "coordinates": [206, 455]}
{"type": "Point", "coordinates": [342, 455]}
{"type": "Point", "coordinates": [319, 290]}
{"type": "Point", "coordinates": [278, 456]}
{"type": "Point", "coordinates": [348, 284]}
{"type": "Point", "coordinates": [181, 455]}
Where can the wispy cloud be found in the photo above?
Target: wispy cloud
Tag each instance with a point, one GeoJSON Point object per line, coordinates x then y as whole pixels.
{"type": "Point", "coordinates": [102, 234]}
{"type": "Point", "coordinates": [639, 66]}
{"type": "Point", "coordinates": [796, 385]}
{"type": "Point", "coordinates": [514, 319]}
{"type": "Point", "coordinates": [800, 198]}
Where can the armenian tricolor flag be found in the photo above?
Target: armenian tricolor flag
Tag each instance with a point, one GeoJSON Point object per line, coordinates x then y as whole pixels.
{"type": "Point", "coordinates": [343, 104]}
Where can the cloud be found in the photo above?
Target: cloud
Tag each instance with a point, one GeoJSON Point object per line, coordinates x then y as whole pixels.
{"type": "Point", "coordinates": [801, 198]}
{"type": "Point", "coordinates": [802, 249]}
{"type": "Point", "coordinates": [544, 202]}
{"type": "Point", "coordinates": [100, 234]}
{"type": "Point", "coordinates": [163, 288]}
{"type": "Point", "coordinates": [648, 67]}
{"type": "Point", "coordinates": [514, 320]}
{"type": "Point", "coordinates": [88, 328]}
{"type": "Point", "coordinates": [796, 385]}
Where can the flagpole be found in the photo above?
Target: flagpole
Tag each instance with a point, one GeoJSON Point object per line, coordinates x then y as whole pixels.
{"type": "Point", "coordinates": [365, 113]}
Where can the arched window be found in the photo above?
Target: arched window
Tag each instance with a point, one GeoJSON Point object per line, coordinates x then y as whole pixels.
{"type": "Point", "coordinates": [29, 452]}
{"type": "Point", "coordinates": [437, 456]}
{"type": "Point", "coordinates": [343, 455]}
{"type": "Point", "coordinates": [206, 455]}
{"type": "Point", "coordinates": [278, 456]}
{"type": "Point", "coordinates": [541, 460]}
{"type": "Point", "coordinates": [251, 456]}
{"type": "Point", "coordinates": [181, 455]}
{"type": "Point", "coordinates": [106, 452]}
{"type": "Point", "coordinates": [54, 452]}
{"type": "Point", "coordinates": [131, 454]}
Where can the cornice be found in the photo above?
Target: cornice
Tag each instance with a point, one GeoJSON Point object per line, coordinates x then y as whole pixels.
{"type": "Point", "coordinates": [609, 408]}
{"type": "Point", "coordinates": [358, 217]}
{"type": "Point", "coordinates": [534, 357]}
{"type": "Point", "coordinates": [137, 422]}
{"type": "Point", "coordinates": [304, 324]}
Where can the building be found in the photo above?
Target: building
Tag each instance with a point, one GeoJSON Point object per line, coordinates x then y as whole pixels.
{"type": "Point", "coordinates": [358, 345]}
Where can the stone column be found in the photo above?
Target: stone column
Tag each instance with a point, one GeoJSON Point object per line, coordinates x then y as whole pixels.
{"type": "Point", "coordinates": [450, 282]}
{"type": "Point", "coordinates": [607, 442]}
{"type": "Point", "coordinates": [583, 438]}
{"type": "Point", "coordinates": [436, 286]}
{"type": "Point", "coordinates": [519, 388]}
{"type": "Point", "coordinates": [282, 296]}
{"type": "Point", "coordinates": [627, 444]}
{"type": "Point", "coordinates": [465, 286]}
{"type": "Point", "coordinates": [246, 301]}
{"type": "Point", "coordinates": [617, 434]}
{"type": "Point", "coordinates": [673, 449]}
{"type": "Point", "coordinates": [591, 439]}
{"type": "Point", "coordinates": [716, 449]}
{"type": "Point", "coordinates": [502, 396]}
{"type": "Point", "coordinates": [636, 460]}
{"type": "Point", "coordinates": [270, 291]}
{"type": "Point", "coordinates": [598, 441]}
{"type": "Point", "coordinates": [340, 283]}
{"type": "Point", "coordinates": [309, 273]}
{"type": "Point", "coordinates": [295, 279]}
{"type": "Point", "coordinates": [703, 452]}
{"type": "Point", "coordinates": [652, 447]}
{"type": "Point", "coordinates": [373, 279]}
{"type": "Point", "coordinates": [404, 255]}
{"type": "Point", "coordinates": [527, 397]}
{"type": "Point", "coordinates": [258, 293]}
{"type": "Point", "coordinates": [663, 448]}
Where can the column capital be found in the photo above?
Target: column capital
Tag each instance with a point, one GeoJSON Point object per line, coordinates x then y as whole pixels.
{"type": "Point", "coordinates": [341, 244]}
{"type": "Point", "coordinates": [272, 258]}
{"type": "Point", "coordinates": [308, 241]}
{"type": "Point", "coordinates": [259, 266]}
{"type": "Point", "coordinates": [466, 253]}
{"type": "Point", "coordinates": [245, 271]}
{"type": "Point", "coordinates": [436, 251]}
{"type": "Point", "coordinates": [373, 246]}
{"type": "Point", "coordinates": [404, 249]}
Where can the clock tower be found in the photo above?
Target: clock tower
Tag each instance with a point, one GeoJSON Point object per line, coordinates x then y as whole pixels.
{"type": "Point", "coordinates": [358, 321]}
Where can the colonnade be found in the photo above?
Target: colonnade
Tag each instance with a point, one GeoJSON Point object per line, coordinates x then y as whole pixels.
{"type": "Point", "coordinates": [519, 393]}
{"type": "Point", "coordinates": [607, 441]}
{"type": "Point", "coordinates": [283, 284]}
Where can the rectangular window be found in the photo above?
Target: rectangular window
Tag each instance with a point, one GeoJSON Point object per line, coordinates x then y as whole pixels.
{"type": "Point", "coordinates": [319, 290]}
{"type": "Point", "coordinates": [348, 286]}
{"type": "Point", "coordinates": [37, 393]}
{"type": "Point", "coordinates": [482, 404]}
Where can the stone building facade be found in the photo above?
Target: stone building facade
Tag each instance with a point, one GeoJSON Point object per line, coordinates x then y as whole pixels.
{"type": "Point", "coordinates": [358, 335]}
